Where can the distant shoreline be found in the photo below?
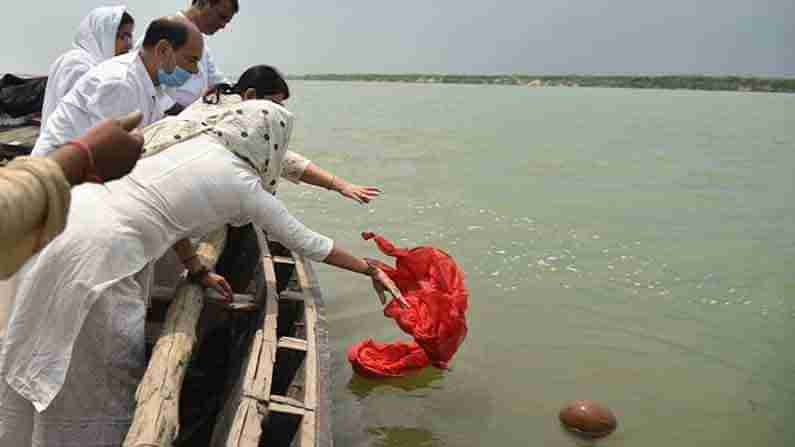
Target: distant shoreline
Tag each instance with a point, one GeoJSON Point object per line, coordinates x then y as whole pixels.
{"type": "Point", "coordinates": [668, 82]}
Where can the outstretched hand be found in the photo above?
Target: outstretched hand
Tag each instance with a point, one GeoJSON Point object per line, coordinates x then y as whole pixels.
{"type": "Point", "coordinates": [115, 145]}
{"type": "Point", "coordinates": [382, 283]}
{"type": "Point", "coordinates": [359, 194]}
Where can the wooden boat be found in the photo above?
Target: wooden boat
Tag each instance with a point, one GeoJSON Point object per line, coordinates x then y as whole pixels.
{"type": "Point", "coordinates": [17, 140]}
{"type": "Point", "coordinates": [243, 375]}
{"type": "Point", "coordinates": [259, 378]}
{"type": "Point", "coordinates": [21, 96]}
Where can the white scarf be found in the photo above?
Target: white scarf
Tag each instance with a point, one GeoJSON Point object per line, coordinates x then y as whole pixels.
{"type": "Point", "coordinates": [96, 34]}
{"type": "Point", "coordinates": [258, 131]}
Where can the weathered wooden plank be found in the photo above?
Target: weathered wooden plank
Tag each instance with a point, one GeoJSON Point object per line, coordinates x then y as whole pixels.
{"type": "Point", "coordinates": [156, 419]}
{"type": "Point", "coordinates": [20, 135]}
{"type": "Point", "coordinates": [292, 295]}
{"type": "Point", "coordinates": [240, 423]}
{"type": "Point", "coordinates": [29, 136]}
{"type": "Point", "coordinates": [246, 430]}
{"type": "Point", "coordinates": [283, 260]}
{"type": "Point", "coordinates": [293, 343]}
{"type": "Point", "coordinates": [310, 399]}
{"type": "Point", "coordinates": [286, 409]}
{"type": "Point", "coordinates": [322, 414]}
{"type": "Point", "coordinates": [287, 401]}
{"type": "Point", "coordinates": [308, 429]}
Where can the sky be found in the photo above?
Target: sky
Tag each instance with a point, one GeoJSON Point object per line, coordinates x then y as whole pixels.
{"type": "Point", "coordinates": [751, 37]}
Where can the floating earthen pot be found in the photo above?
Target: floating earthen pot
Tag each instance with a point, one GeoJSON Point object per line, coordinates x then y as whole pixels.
{"type": "Point", "coordinates": [588, 419]}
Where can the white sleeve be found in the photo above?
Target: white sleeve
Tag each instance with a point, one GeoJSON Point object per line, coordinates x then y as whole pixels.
{"type": "Point", "coordinates": [59, 84]}
{"type": "Point", "coordinates": [268, 213]}
{"type": "Point", "coordinates": [67, 78]}
{"type": "Point", "coordinates": [111, 100]}
{"type": "Point", "coordinates": [293, 166]}
{"type": "Point", "coordinates": [214, 76]}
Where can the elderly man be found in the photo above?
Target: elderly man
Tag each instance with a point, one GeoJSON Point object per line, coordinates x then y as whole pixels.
{"type": "Point", "coordinates": [171, 52]}
{"type": "Point", "coordinates": [209, 16]}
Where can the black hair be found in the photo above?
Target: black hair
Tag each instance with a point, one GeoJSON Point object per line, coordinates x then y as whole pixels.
{"type": "Point", "coordinates": [264, 79]}
{"type": "Point", "coordinates": [174, 31]}
{"type": "Point", "coordinates": [204, 3]}
{"type": "Point", "coordinates": [126, 19]}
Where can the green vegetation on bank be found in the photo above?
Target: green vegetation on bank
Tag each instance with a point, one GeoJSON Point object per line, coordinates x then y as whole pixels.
{"type": "Point", "coordinates": [690, 82]}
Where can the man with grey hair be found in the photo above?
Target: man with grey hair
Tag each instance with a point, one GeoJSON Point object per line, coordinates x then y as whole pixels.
{"type": "Point", "coordinates": [209, 16]}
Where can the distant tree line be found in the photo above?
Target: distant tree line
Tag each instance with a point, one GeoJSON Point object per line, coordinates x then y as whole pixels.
{"type": "Point", "coordinates": [689, 82]}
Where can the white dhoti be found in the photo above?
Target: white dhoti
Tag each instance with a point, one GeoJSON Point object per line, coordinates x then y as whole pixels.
{"type": "Point", "coordinates": [96, 404]}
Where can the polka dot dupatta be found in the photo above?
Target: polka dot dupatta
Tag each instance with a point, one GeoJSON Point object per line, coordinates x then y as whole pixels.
{"type": "Point", "coordinates": [258, 131]}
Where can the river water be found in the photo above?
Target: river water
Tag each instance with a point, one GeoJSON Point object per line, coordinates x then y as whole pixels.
{"type": "Point", "coordinates": [632, 247]}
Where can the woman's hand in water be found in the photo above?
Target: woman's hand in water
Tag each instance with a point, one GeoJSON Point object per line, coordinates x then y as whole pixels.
{"type": "Point", "coordinates": [360, 194]}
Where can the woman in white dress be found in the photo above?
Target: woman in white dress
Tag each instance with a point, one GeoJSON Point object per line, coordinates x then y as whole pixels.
{"type": "Point", "coordinates": [106, 32]}
{"type": "Point", "coordinates": [74, 349]}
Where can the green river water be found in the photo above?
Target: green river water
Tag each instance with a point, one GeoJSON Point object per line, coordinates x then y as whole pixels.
{"type": "Point", "coordinates": [632, 247]}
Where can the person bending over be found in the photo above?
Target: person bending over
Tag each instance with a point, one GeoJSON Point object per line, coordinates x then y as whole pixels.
{"type": "Point", "coordinates": [74, 349]}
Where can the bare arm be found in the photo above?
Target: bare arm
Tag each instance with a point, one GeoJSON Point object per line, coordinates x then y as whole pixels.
{"type": "Point", "coordinates": [381, 282]}
{"type": "Point", "coordinates": [267, 212]}
{"type": "Point", "coordinates": [315, 175]}
{"type": "Point", "coordinates": [187, 255]}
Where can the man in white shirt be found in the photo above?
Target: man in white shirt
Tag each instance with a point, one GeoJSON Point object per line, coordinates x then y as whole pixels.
{"type": "Point", "coordinates": [171, 51]}
{"type": "Point", "coordinates": [210, 16]}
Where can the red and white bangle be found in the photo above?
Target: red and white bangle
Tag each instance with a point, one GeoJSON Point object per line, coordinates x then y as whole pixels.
{"type": "Point", "coordinates": [91, 171]}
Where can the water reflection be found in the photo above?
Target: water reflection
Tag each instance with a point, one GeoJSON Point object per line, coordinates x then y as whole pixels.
{"type": "Point", "coordinates": [362, 387]}
{"type": "Point", "coordinates": [404, 436]}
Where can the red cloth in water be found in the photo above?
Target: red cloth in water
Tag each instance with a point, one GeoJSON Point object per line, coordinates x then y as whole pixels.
{"type": "Point", "coordinates": [433, 285]}
{"type": "Point", "coordinates": [372, 359]}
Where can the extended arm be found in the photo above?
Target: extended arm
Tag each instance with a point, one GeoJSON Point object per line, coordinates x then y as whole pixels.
{"type": "Point", "coordinates": [298, 168]}
{"type": "Point", "coordinates": [269, 213]}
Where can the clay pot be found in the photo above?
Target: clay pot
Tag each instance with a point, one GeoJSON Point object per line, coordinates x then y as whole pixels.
{"type": "Point", "coordinates": [588, 418]}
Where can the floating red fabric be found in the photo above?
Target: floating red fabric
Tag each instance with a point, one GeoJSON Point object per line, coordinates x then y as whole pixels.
{"type": "Point", "coordinates": [372, 359]}
{"type": "Point", "coordinates": [433, 285]}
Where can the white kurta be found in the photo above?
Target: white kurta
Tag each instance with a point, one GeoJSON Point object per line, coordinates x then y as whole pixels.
{"type": "Point", "coordinates": [94, 43]}
{"type": "Point", "coordinates": [114, 88]}
{"type": "Point", "coordinates": [115, 234]}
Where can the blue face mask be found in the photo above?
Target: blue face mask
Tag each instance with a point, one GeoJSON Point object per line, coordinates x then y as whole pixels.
{"type": "Point", "coordinates": [176, 78]}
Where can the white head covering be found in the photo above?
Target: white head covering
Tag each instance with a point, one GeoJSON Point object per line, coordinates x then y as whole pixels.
{"type": "Point", "coordinates": [257, 130]}
{"type": "Point", "coordinates": [95, 42]}
{"type": "Point", "coordinates": [96, 34]}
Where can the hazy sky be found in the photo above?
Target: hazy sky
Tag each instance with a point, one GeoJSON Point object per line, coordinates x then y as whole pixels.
{"type": "Point", "coordinates": [445, 36]}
